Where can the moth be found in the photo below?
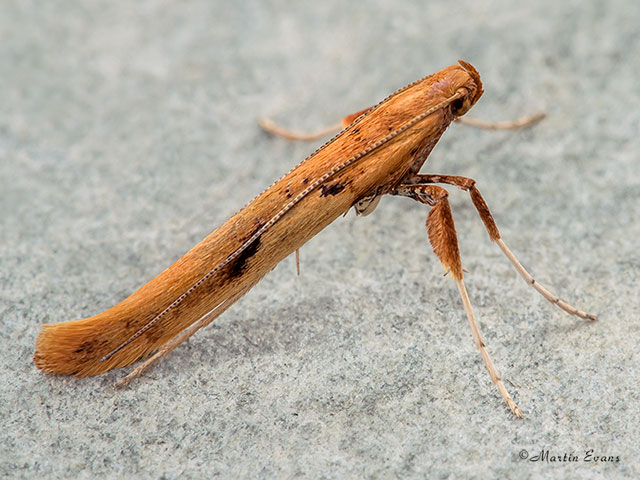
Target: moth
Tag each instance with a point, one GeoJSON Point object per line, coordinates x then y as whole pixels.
{"type": "Point", "coordinates": [380, 151]}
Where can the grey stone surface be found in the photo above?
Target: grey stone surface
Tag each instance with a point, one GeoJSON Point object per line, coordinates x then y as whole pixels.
{"type": "Point", "coordinates": [128, 132]}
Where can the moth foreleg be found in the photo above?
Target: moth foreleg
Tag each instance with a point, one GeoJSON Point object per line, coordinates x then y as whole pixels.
{"type": "Point", "coordinates": [468, 184]}
{"type": "Point", "coordinates": [444, 241]}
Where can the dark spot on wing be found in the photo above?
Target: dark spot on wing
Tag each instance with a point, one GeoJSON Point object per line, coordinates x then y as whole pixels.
{"type": "Point", "coordinates": [153, 335]}
{"type": "Point", "coordinates": [332, 189]}
{"type": "Point", "coordinates": [89, 347]}
{"type": "Point", "coordinates": [236, 266]}
{"type": "Point", "coordinates": [86, 347]}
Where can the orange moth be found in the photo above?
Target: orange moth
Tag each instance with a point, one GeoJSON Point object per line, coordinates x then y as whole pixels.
{"type": "Point", "coordinates": [380, 151]}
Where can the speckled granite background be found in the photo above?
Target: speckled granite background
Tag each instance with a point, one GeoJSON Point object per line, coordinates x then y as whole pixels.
{"type": "Point", "coordinates": [128, 133]}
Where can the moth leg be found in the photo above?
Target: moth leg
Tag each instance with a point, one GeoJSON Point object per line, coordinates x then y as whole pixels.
{"type": "Point", "coordinates": [508, 125]}
{"type": "Point", "coordinates": [178, 339]}
{"type": "Point", "coordinates": [298, 261]}
{"type": "Point", "coordinates": [273, 128]}
{"type": "Point", "coordinates": [366, 205]}
{"type": "Point", "coordinates": [444, 241]}
{"type": "Point", "coordinates": [468, 184]}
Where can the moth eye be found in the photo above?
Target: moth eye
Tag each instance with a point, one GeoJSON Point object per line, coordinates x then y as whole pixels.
{"type": "Point", "coordinates": [457, 104]}
{"type": "Point", "coordinates": [460, 106]}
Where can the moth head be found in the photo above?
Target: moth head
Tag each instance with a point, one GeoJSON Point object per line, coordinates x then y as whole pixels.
{"type": "Point", "coordinates": [468, 93]}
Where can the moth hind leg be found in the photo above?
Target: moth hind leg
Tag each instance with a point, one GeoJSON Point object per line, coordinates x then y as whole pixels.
{"type": "Point", "coordinates": [180, 338]}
